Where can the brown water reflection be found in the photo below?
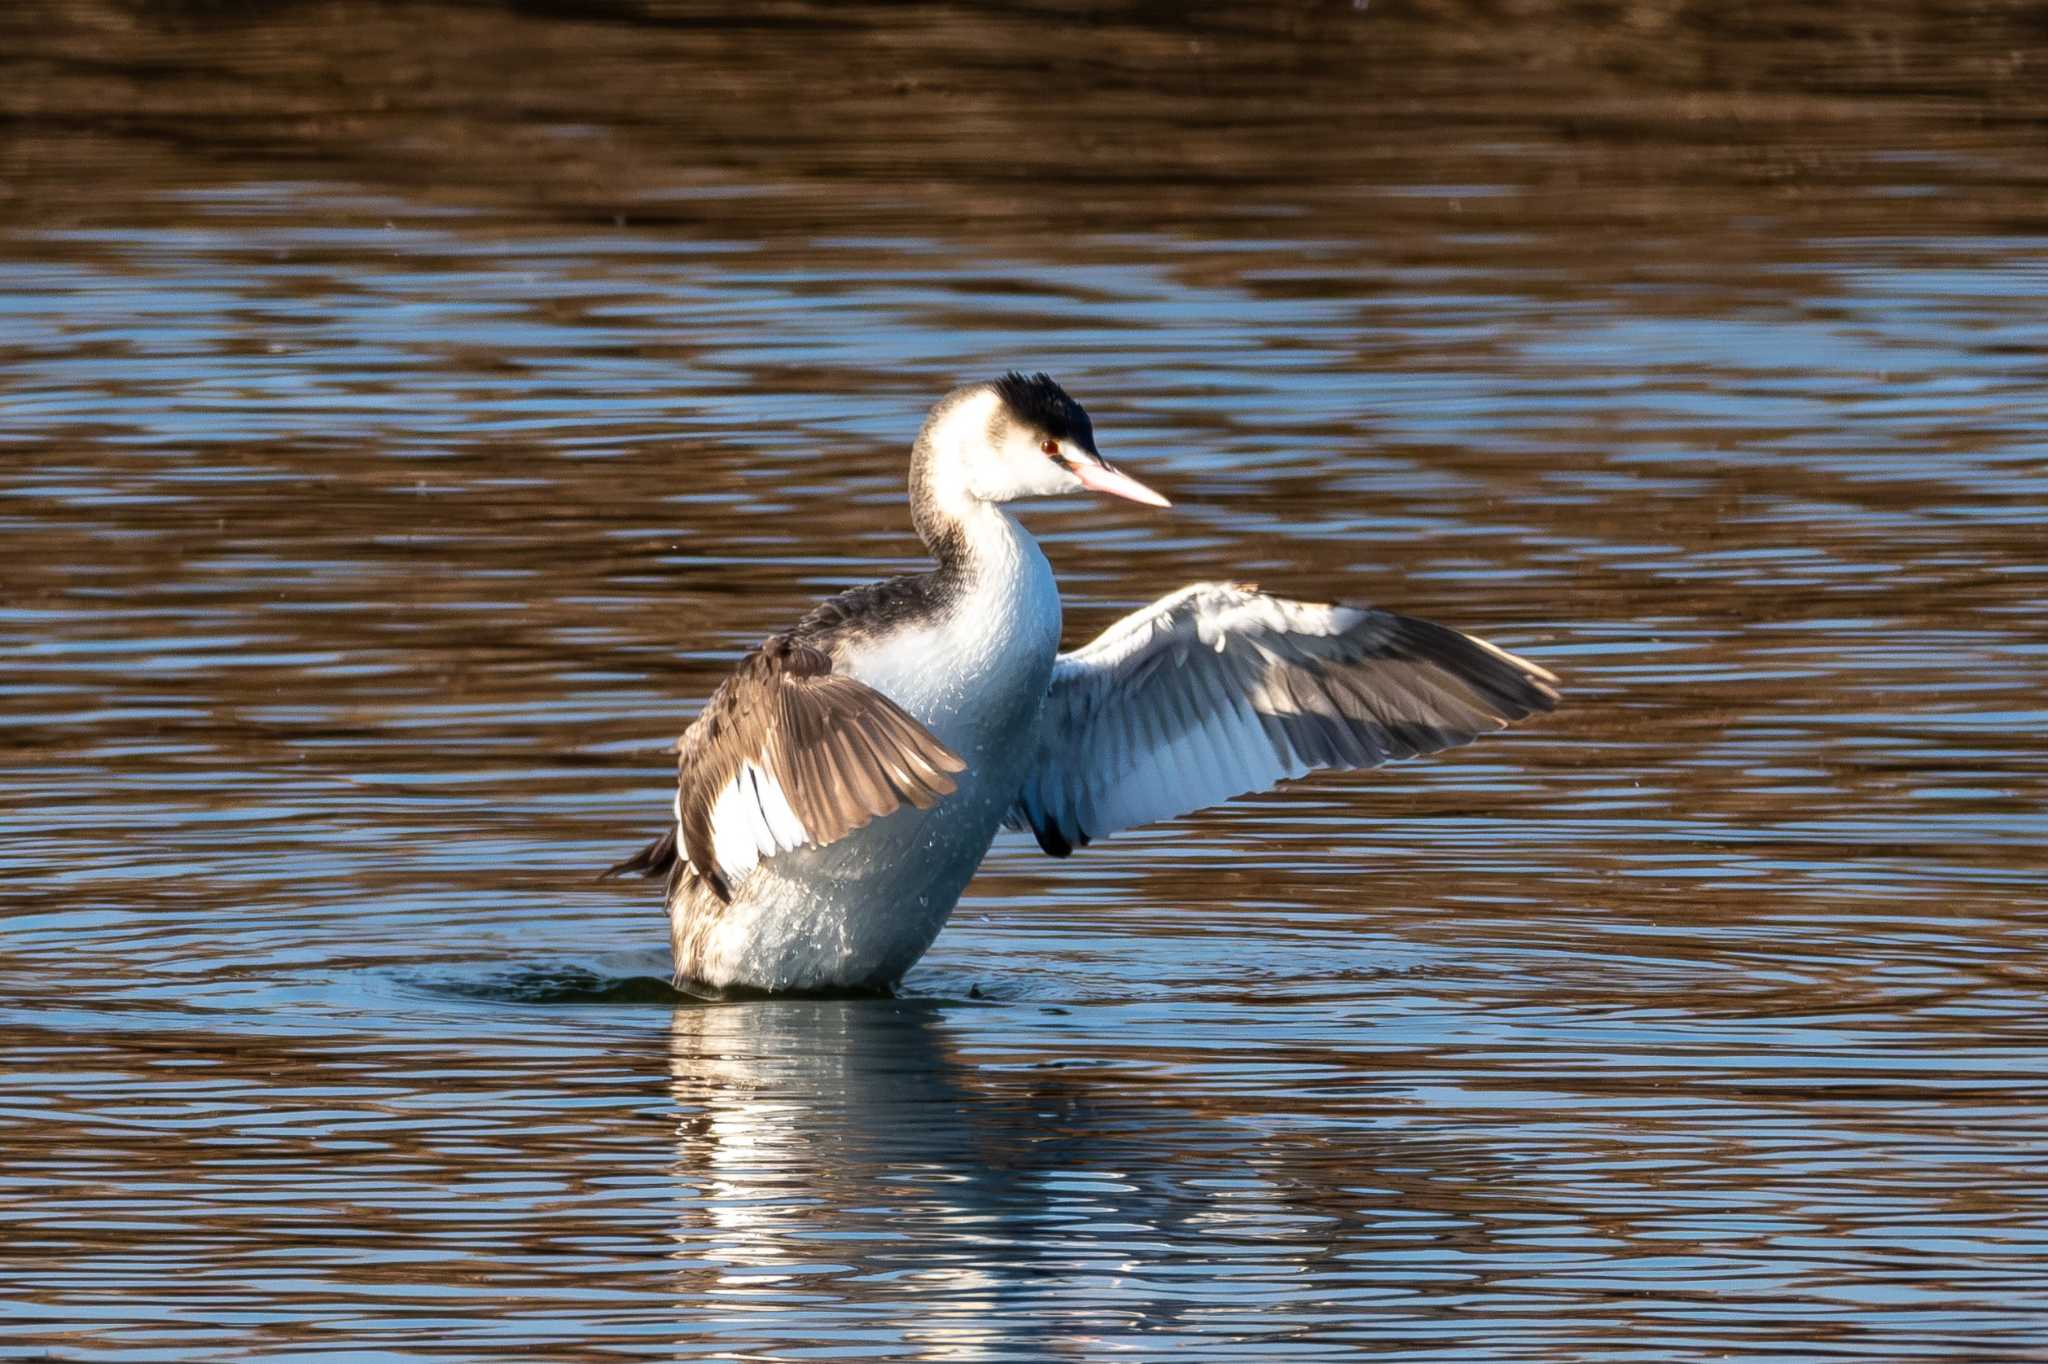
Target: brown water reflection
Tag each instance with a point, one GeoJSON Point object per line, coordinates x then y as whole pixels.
{"type": "Point", "coordinates": [407, 411]}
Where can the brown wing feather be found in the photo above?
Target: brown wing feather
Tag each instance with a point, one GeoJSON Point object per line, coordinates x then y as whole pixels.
{"type": "Point", "coordinates": [841, 753]}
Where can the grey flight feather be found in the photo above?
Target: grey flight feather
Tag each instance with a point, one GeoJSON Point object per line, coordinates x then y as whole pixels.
{"type": "Point", "coordinates": [1220, 689]}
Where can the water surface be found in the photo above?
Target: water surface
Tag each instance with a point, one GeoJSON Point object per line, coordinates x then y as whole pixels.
{"type": "Point", "coordinates": [407, 412]}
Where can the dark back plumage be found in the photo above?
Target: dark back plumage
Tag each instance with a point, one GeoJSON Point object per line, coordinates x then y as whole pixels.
{"type": "Point", "coordinates": [876, 608]}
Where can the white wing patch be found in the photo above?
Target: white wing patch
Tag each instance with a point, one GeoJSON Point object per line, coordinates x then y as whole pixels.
{"type": "Point", "coordinates": [752, 819]}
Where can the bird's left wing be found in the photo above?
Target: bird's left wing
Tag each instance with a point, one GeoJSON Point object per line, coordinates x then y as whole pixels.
{"type": "Point", "coordinates": [1220, 689]}
{"type": "Point", "coordinates": [790, 754]}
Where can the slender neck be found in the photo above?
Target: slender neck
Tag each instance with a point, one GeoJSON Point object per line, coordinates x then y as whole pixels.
{"type": "Point", "coordinates": [988, 556]}
{"type": "Point", "coordinates": [960, 529]}
{"type": "Point", "coordinates": [993, 568]}
{"type": "Point", "coordinates": [964, 534]}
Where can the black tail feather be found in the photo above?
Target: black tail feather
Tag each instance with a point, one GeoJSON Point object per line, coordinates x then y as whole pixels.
{"type": "Point", "coordinates": [656, 859]}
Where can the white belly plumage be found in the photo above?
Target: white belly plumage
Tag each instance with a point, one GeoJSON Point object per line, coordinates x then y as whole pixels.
{"type": "Point", "coordinates": [858, 912]}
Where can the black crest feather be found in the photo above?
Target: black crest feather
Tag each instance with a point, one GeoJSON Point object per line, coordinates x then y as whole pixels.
{"type": "Point", "coordinates": [1042, 404]}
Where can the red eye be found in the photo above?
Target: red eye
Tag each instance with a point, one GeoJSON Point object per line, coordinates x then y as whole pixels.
{"type": "Point", "coordinates": [1049, 448]}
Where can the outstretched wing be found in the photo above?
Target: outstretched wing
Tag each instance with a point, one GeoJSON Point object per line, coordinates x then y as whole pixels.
{"type": "Point", "coordinates": [1220, 689]}
{"type": "Point", "coordinates": [788, 754]}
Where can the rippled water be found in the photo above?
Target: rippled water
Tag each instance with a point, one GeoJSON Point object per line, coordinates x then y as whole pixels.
{"type": "Point", "coordinates": [408, 411]}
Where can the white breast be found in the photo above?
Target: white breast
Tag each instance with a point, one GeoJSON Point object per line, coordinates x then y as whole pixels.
{"type": "Point", "coordinates": [976, 671]}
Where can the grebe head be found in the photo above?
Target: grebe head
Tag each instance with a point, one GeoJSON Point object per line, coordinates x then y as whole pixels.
{"type": "Point", "coordinates": [1020, 436]}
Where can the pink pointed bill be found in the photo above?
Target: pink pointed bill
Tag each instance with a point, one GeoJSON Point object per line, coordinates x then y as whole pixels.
{"type": "Point", "coordinates": [1101, 478]}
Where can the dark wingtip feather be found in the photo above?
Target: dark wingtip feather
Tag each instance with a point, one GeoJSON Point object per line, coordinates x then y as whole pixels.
{"type": "Point", "coordinates": [1511, 685]}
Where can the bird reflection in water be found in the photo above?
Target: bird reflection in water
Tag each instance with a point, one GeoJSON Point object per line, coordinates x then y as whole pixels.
{"type": "Point", "coordinates": [844, 1154]}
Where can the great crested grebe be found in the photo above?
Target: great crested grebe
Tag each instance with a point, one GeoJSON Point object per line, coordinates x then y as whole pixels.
{"type": "Point", "coordinates": [843, 784]}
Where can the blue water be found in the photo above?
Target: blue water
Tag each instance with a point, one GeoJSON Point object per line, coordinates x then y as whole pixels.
{"type": "Point", "coordinates": [370, 535]}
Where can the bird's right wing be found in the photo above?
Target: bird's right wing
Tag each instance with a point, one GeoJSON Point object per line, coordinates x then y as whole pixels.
{"type": "Point", "coordinates": [1220, 689]}
{"type": "Point", "coordinates": [788, 754]}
